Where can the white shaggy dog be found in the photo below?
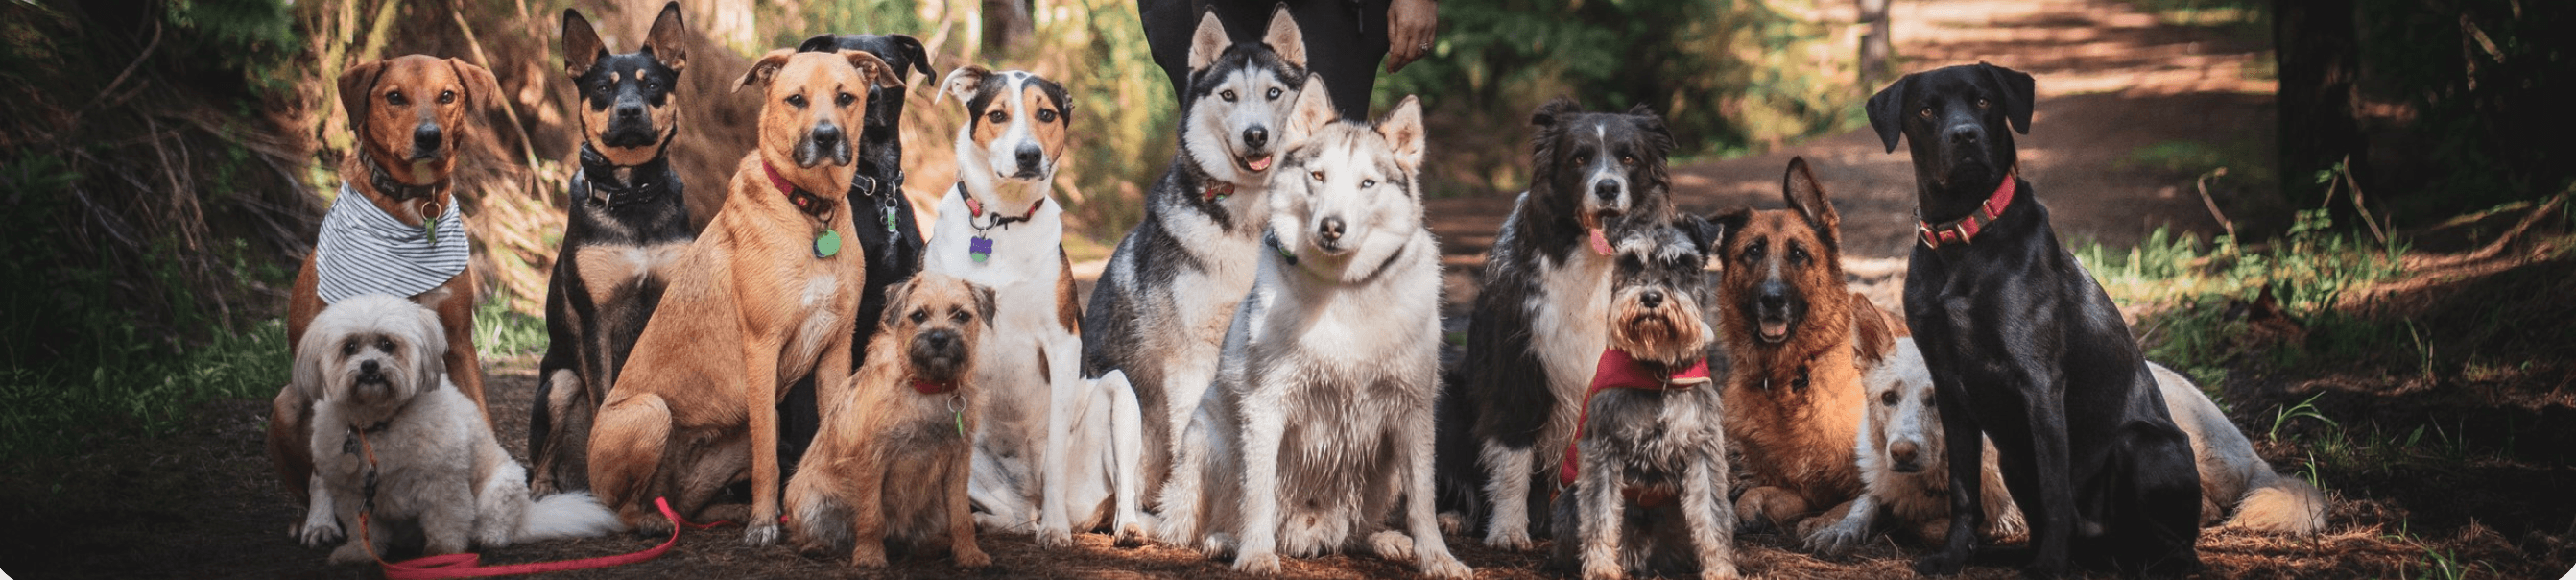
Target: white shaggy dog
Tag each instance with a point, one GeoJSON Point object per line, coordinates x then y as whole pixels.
{"type": "Point", "coordinates": [1318, 423]}
{"type": "Point", "coordinates": [389, 423]}
{"type": "Point", "coordinates": [1901, 453]}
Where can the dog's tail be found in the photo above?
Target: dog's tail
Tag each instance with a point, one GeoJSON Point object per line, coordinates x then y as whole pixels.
{"type": "Point", "coordinates": [568, 515]}
{"type": "Point", "coordinates": [2283, 505]}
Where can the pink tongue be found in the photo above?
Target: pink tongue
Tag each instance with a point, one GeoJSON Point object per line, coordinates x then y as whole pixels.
{"type": "Point", "coordinates": [1262, 164]}
{"type": "Point", "coordinates": [1600, 245]}
{"type": "Point", "coordinates": [1772, 329]}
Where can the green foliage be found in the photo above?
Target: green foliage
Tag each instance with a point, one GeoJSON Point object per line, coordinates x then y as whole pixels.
{"type": "Point", "coordinates": [501, 331]}
{"type": "Point", "coordinates": [1124, 110]}
{"type": "Point", "coordinates": [253, 38]}
{"type": "Point", "coordinates": [2306, 272]}
{"type": "Point", "coordinates": [853, 17]}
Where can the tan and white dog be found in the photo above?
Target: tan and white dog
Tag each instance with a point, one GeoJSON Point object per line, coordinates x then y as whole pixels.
{"type": "Point", "coordinates": [394, 439]}
{"type": "Point", "coordinates": [1052, 443]}
{"type": "Point", "coordinates": [1901, 459]}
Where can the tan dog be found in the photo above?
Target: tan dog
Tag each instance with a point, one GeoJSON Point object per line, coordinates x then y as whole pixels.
{"type": "Point", "coordinates": [906, 417]}
{"type": "Point", "coordinates": [410, 114]}
{"type": "Point", "coordinates": [765, 295]}
{"type": "Point", "coordinates": [1792, 401]}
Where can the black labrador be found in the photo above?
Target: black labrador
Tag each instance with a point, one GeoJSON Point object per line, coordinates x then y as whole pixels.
{"type": "Point", "coordinates": [2026, 348]}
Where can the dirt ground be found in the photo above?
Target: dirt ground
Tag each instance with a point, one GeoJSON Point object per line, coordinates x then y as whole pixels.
{"type": "Point", "coordinates": [203, 504]}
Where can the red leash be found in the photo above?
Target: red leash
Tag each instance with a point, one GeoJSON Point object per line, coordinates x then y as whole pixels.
{"type": "Point", "coordinates": [471, 565]}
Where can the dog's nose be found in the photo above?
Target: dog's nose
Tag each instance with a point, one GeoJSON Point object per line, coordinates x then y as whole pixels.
{"type": "Point", "coordinates": [1029, 156]}
{"type": "Point", "coordinates": [1965, 134]}
{"type": "Point", "coordinates": [427, 137]}
{"type": "Point", "coordinates": [826, 135]}
{"type": "Point", "coordinates": [1606, 189]}
{"type": "Point", "coordinates": [1651, 299]}
{"type": "Point", "coordinates": [1903, 452]}
{"type": "Point", "coordinates": [1330, 229]}
{"type": "Point", "coordinates": [1772, 296]}
{"type": "Point", "coordinates": [630, 111]}
{"type": "Point", "coordinates": [1256, 137]}
{"type": "Point", "coordinates": [369, 367]}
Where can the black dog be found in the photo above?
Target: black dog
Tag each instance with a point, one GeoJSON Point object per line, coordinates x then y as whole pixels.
{"type": "Point", "coordinates": [2025, 348]}
{"type": "Point", "coordinates": [629, 218]}
{"type": "Point", "coordinates": [887, 233]}
{"type": "Point", "coordinates": [1538, 326]}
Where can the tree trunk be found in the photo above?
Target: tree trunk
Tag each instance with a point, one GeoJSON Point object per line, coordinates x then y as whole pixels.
{"type": "Point", "coordinates": [1875, 46]}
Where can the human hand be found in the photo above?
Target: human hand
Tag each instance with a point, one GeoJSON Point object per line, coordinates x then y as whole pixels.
{"type": "Point", "coordinates": [1410, 25]}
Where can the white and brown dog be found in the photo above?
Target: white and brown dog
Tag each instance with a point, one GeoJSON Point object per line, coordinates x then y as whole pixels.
{"type": "Point", "coordinates": [1051, 439]}
{"type": "Point", "coordinates": [395, 440]}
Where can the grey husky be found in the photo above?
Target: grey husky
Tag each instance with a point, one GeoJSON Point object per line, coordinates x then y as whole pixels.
{"type": "Point", "coordinates": [1161, 306]}
{"type": "Point", "coordinates": [1341, 332]}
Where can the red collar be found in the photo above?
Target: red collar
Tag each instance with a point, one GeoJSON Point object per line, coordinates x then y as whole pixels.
{"type": "Point", "coordinates": [1213, 191]}
{"type": "Point", "coordinates": [976, 208]}
{"type": "Point", "coordinates": [931, 388]}
{"type": "Point", "coordinates": [1619, 371]}
{"type": "Point", "coordinates": [806, 201]}
{"type": "Point", "coordinates": [1962, 230]}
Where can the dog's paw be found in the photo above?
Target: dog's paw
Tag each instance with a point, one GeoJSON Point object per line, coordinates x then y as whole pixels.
{"type": "Point", "coordinates": [1834, 540]}
{"type": "Point", "coordinates": [972, 558]}
{"type": "Point", "coordinates": [320, 533]}
{"type": "Point", "coordinates": [1443, 565]}
{"type": "Point", "coordinates": [1722, 571]}
{"type": "Point", "coordinates": [760, 534]}
{"type": "Point", "coordinates": [871, 560]}
{"type": "Point", "coordinates": [1596, 570]}
{"type": "Point", "coordinates": [1261, 563]}
{"type": "Point", "coordinates": [1054, 539]}
{"type": "Point", "coordinates": [1453, 524]}
{"type": "Point", "coordinates": [1514, 540]}
{"type": "Point", "coordinates": [1392, 545]}
{"type": "Point", "coordinates": [1939, 564]}
{"type": "Point", "coordinates": [1131, 535]}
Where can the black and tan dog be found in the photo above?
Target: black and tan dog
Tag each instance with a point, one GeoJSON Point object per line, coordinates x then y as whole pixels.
{"type": "Point", "coordinates": [765, 295]}
{"type": "Point", "coordinates": [2026, 349]}
{"type": "Point", "coordinates": [892, 461]}
{"type": "Point", "coordinates": [628, 224]}
{"type": "Point", "coordinates": [1793, 401]}
{"type": "Point", "coordinates": [887, 233]}
{"type": "Point", "coordinates": [1647, 477]}
{"type": "Point", "coordinates": [400, 233]}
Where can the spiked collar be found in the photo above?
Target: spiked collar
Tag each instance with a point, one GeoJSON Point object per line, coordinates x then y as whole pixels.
{"type": "Point", "coordinates": [1964, 230]}
{"type": "Point", "coordinates": [816, 206]}
{"type": "Point", "coordinates": [644, 181]}
{"type": "Point", "coordinates": [384, 183]}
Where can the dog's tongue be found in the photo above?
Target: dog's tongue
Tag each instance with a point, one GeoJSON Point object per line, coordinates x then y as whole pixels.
{"type": "Point", "coordinates": [1261, 163]}
{"type": "Point", "coordinates": [1774, 329]}
{"type": "Point", "coordinates": [1600, 245]}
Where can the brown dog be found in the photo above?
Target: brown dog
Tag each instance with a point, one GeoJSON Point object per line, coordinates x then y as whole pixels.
{"type": "Point", "coordinates": [410, 114]}
{"type": "Point", "coordinates": [907, 414]}
{"type": "Point", "coordinates": [1793, 401]}
{"type": "Point", "coordinates": [767, 294]}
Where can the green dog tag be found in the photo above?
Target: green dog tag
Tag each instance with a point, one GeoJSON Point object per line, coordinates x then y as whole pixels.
{"type": "Point", "coordinates": [827, 244]}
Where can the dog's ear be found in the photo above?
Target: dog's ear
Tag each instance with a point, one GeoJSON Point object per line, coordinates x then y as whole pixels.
{"type": "Point", "coordinates": [667, 41]}
{"type": "Point", "coordinates": [1555, 110]}
{"type": "Point", "coordinates": [874, 70]}
{"type": "Point", "coordinates": [311, 357]}
{"type": "Point", "coordinates": [1807, 196]}
{"type": "Point", "coordinates": [428, 356]}
{"type": "Point", "coordinates": [2019, 91]}
{"type": "Point", "coordinates": [1728, 225]}
{"type": "Point", "coordinates": [1884, 113]}
{"type": "Point", "coordinates": [820, 43]}
{"type": "Point", "coordinates": [962, 83]}
{"type": "Point", "coordinates": [357, 91]}
{"type": "Point", "coordinates": [985, 303]}
{"type": "Point", "coordinates": [1313, 110]}
{"type": "Point", "coordinates": [896, 302]}
{"type": "Point", "coordinates": [1284, 38]}
{"type": "Point", "coordinates": [1402, 129]}
{"type": "Point", "coordinates": [1209, 41]}
{"type": "Point", "coordinates": [910, 48]}
{"type": "Point", "coordinates": [581, 46]}
{"type": "Point", "coordinates": [482, 90]}
{"type": "Point", "coordinates": [1659, 137]}
{"type": "Point", "coordinates": [764, 69]}
{"type": "Point", "coordinates": [1703, 234]}
{"type": "Point", "coordinates": [1872, 340]}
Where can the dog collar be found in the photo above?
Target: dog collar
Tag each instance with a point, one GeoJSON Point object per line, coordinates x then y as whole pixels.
{"type": "Point", "coordinates": [1269, 240]}
{"type": "Point", "coordinates": [1963, 230]}
{"type": "Point", "coordinates": [1213, 191]}
{"type": "Point", "coordinates": [931, 388]}
{"type": "Point", "coordinates": [980, 247]}
{"type": "Point", "coordinates": [644, 182]}
{"type": "Point", "coordinates": [384, 183]}
{"type": "Point", "coordinates": [1617, 370]}
{"type": "Point", "coordinates": [827, 242]}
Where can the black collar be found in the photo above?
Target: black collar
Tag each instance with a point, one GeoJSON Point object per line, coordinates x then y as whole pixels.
{"type": "Point", "coordinates": [385, 184]}
{"type": "Point", "coordinates": [1269, 240]}
{"type": "Point", "coordinates": [645, 181]}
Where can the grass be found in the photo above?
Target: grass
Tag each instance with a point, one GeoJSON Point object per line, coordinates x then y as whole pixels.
{"type": "Point", "coordinates": [60, 409]}
{"type": "Point", "coordinates": [2200, 298]}
{"type": "Point", "coordinates": [501, 331]}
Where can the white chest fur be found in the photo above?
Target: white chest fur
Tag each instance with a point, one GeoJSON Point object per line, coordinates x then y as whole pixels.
{"type": "Point", "coordinates": [1569, 328]}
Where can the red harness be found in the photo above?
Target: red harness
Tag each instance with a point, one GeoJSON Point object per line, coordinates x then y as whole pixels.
{"type": "Point", "coordinates": [1618, 371]}
{"type": "Point", "coordinates": [1962, 230]}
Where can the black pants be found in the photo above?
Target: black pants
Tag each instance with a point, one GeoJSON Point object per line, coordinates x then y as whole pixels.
{"type": "Point", "coordinates": [1345, 40]}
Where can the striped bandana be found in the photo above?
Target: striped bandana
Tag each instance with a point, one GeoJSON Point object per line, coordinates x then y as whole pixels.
{"type": "Point", "coordinates": [364, 251]}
